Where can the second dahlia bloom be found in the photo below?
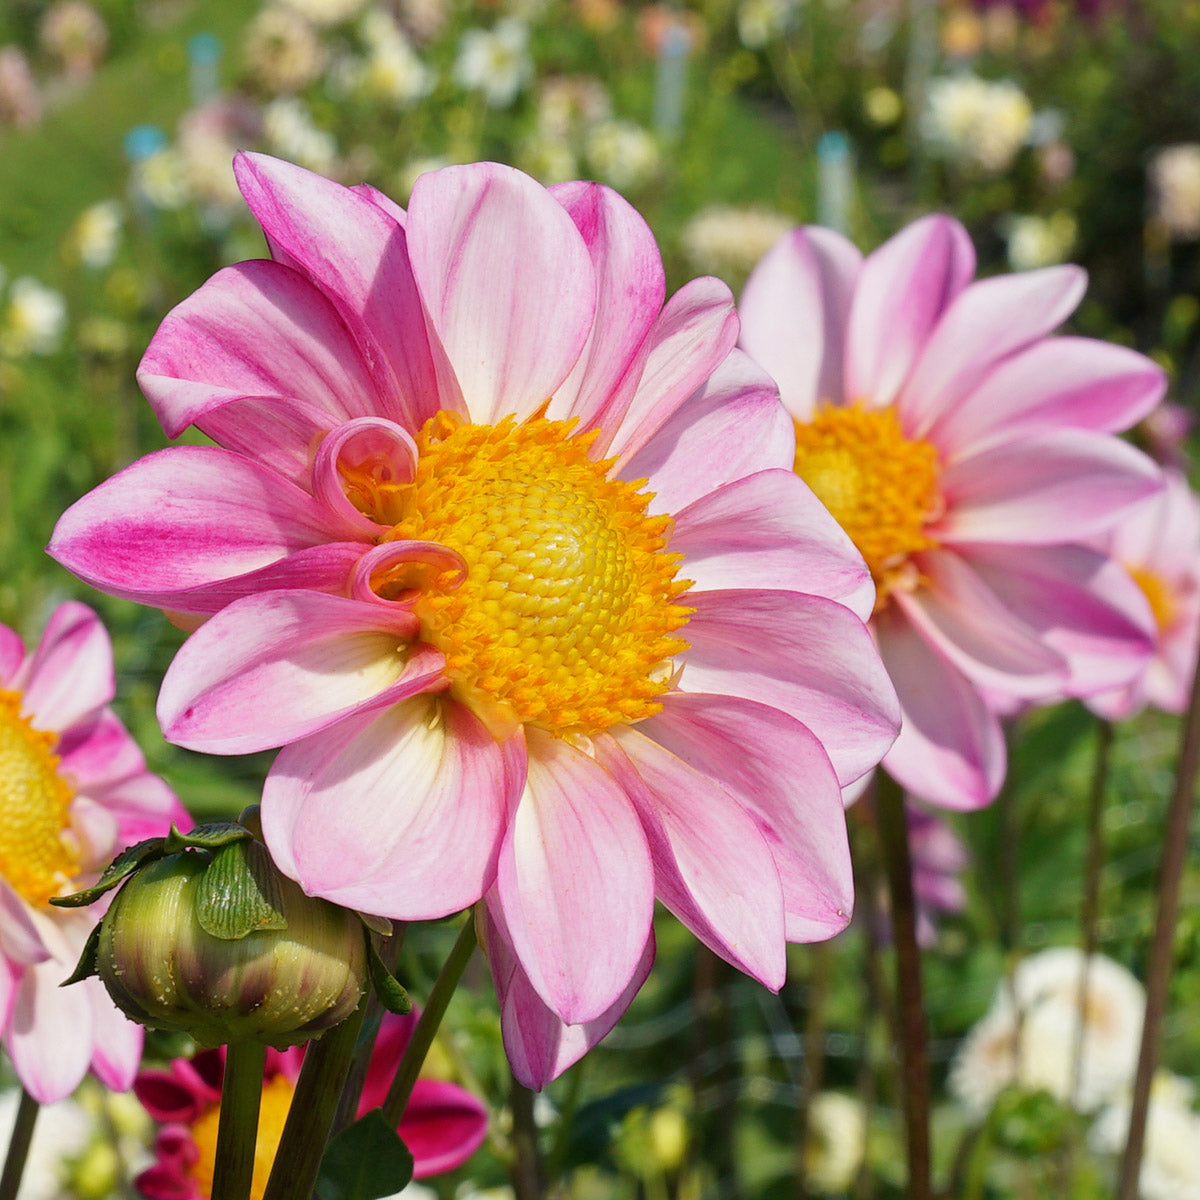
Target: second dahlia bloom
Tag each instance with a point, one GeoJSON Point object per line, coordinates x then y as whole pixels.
{"type": "Point", "coordinates": [509, 557]}
{"type": "Point", "coordinates": [74, 792]}
{"type": "Point", "coordinates": [970, 456]}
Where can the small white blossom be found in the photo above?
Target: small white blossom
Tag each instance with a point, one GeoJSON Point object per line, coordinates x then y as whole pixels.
{"type": "Point", "coordinates": [622, 154]}
{"type": "Point", "coordinates": [728, 241]}
{"type": "Point", "coordinates": [760, 22]}
{"type": "Point", "coordinates": [495, 62]}
{"type": "Point", "coordinates": [34, 319]}
{"type": "Point", "coordinates": [281, 51]}
{"type": "Point", "coordinates": [60, 1135]}
{"type": "Point", "coordinates": [1040, 241]}
{"type": "Point", "coordinates": [837, 1142]}
{"type": "Point", "coordinates": [1175, 181]}
{"type": "Point", "coordinates": [291, 134]}
{"type": "Point", "coordinates": [978, 123]}
{"type": "Point", "coordinates": [96, 234]}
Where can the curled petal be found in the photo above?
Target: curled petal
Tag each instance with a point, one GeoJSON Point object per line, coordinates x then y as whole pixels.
{"type": "Point", "coordinates": [376, 571]}
{"type": "Point", "coordinates": [369, 457]}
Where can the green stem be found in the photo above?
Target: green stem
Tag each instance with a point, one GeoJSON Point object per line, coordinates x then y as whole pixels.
{"type": "Point", "coordinates": [427, 1026]}
{"type": "Point", "coordinates": [237, 1125]}
{"type": "Point", "coordinates": [528, 1176]}
{"type": "Point", "coordinates": [322, 1077]}
{"type": "Point", "coordinates": [18, 1146]}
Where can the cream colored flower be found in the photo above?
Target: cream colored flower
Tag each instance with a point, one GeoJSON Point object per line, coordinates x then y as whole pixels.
{"type": "Point", "coordinates": [1175, 180]}
{"type": "Point", "coordinates": [978, 123]}
{"type": "Point", "coordinates": [622, 154]}
{"type": "Point", "coordinates": [762, 21]}
{"type": "Point", "coordinates": [727, 242]}
{"type": "Point", "coordinates": [323, 13]}
{"type": "Point", "coordinates": [391, 72]}
{"type": "Point", "coordinates": [1035, 241]}
{"type": "Point", "coordinates": [75, 34]}
{"type": "Point", "coordinates": [837, 1142]}
{"type": "Point", "coordinates": [96, 234]}
{"type": "Point", "coordinates": [281, 51]}
{"type": "Point", "coordinates": [495, 62]}
{"type": "Point", "coordinates": [290, 133]}
{"type": "Point", "coordinates": [33, 320]}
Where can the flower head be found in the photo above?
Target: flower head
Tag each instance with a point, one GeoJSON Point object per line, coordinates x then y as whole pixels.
{"type": "Point", "coordinates": [443, 1125]}
{"type": "Point", "coordinates": [970, 456]}
{"type": "Point", "coordinates": [507, 555]}
{"type": "Point", "coordinates": [74, 790]}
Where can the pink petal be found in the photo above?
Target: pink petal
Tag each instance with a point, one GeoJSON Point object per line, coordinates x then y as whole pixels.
{"type": "Point", "coordinates": [990, 320]}
{"type": "Point", "coordinates": [185, 518]}
{"type": "Point", "coordinates": [21, 943]}
{"type": "Point", "coordinates": [805, 655]}
{"type": "Point", "coordinates": [539, 1046]}
{"type": "Point", "coordinates": [902, 290]}
{"type": "Point", "coordinates": [794, 312]}
{"type": "Point", "coordinates": [371, 451]}
{"type": "Point", "coordinates": [8, 990]}
{"type": "Point", "coordinates": [629, 295]}
{"type": "Point", "coordinates": [508, 283]}
{"type": "Point", "coordinates": [442, 1126]}
{"type": "Point", "coordinates": [713, 867]}
{"type": "Point", "coordinates": [575, 872]}
{"type": "Point", "coordinates": [768, 531]}
{"type": "Point", "coordinates": [731, 427]}
{"type": "Point", "coordinates": [355, 252]}
{"type": "Point", "coordinates": [369, 813]}
{"type": "Point", "coordinates": [692, 337]}
{"type": "Point", "coordinates": [386, 203]}
{"type": "Point", "coordinates": [12, 655]}
{"type": "Point", "coordinates": [782, 776]}
{"type": "Point", "coordinates": [70, 674]}
{"type": "Point", "coordinates": [951, 748]}
{"type": "Point", "coordinates": [956, 611]}
{"type": "Point", "coordinates": [1056, 382]}
{"type": "Point", "coordinates": [118, 1041]}
{"type": "Point", "coordinates": [274, 668]}
{"type": "Point", "coordinates": [1044, 489]}
{"type": "Point", "coordinates": [254, 329]}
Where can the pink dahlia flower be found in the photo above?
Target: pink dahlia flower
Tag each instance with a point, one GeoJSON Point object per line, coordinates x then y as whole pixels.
{"type": "Point", "coordinates": [1159, 545]}
{"type": "Point", "coordinates": [74, 792]}
{"type": "Point", "coordinates": [970, 456]}
{"type": "Point", "coordinates": [442, 1126]}
{"type": "Point", "coordinates": [509, 557]}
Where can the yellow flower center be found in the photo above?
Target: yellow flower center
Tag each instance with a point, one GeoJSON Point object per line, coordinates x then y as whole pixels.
{"type": "Point", "coordinates": [272, 1113]}
{"type": "Point", "coordinates": [566, 614]}
{"type": "Point", "coordinates": [880, 487]}
{"type": "Point", "coordinates": [38, 852]}
{"type": "Point", "coordinates": [1158, 592]}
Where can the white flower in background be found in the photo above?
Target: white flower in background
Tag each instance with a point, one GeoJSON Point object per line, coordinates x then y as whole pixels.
{"type": "Point", "coordinates": [323, 13]}
{"type": "Point", "coordinates": [33, 320]}
{"type": "Point", "coordinates": [290, 133]}
{"type": "Point", "coordinates": [549, 158]}
{"type": "Point", "coordinates": [725, 241]}
{"type": "Point", "coordinates": [569, 105]}
{"type": "Point", "coordinates": [423, 18]}
{"type": "Point", "coordinates": [622, 154]}
{"type": "Point", "coordinates": [837, 1142]}
{"type": "Point", "coordinates": [160, 179]}
{"type": "Point", "coordinates": [1029, 1036]}
{"type": "Point", "coordinates": [1175, 189]}
{"type": "Point", "coordinates": [495, 62]}
{"type": "Point", "coordinates": [75, 34]}
{"type": "Point", "coordinates": [1034, 241]}
{"type": "Point", "coordinates": [60, 1135]}
{"type": "Point", "coordinates": [976, 122]}
{"type": "Point", "coordinates": [96, 234]}
{"type": "Point", "coordinates": [761, 21]}
{"type": "Point", "coordinates": [391, 72]}
{"type": "Point", "coordinates": [209, 137]}
{"type": "Point", "coordinates": [411, 171]}
{"type": "Point", "coordinates": [1171, 1153]}
{"type": "Point", "coordinates": [281, 51]}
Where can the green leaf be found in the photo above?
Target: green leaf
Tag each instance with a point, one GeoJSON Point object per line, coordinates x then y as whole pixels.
{"type": "Point", "coordinates": [365, 1161]}
{"type": "Point", "coordinates": [391, 995]}
{"type": "Point", "coordinates": [86, 966]}
{"type": "Point", "coordinates": [212, 836]}
{"type": "Point", "coordinates": [239, 892]}
{"type": "Point", "coordinates": [121, 867]}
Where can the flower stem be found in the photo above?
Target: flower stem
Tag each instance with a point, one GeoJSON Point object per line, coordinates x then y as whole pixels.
{"type": "Point", "coordinates": [427, 1026]}
{"type": "Point", "coordinates": [1175, 847]}
{"type": "Point", "coordinates": [318, 1089]}
{"type": "Point", "coordinates": [18, 1146]}
{"type": "Point", "coordinates": [237, 1125]}
{"type": "Point", "coordinates": [528, 1175]}
{"type": "Point", "coordinates": [893, 837]}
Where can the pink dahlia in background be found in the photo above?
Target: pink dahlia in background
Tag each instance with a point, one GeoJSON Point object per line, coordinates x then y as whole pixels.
{"type": "Point", "coordinates": [1158, 543]}
{"type": "Point", "coordinates": [970, 456]}
{"type": "Point", "coordinates": [74, 792]}
{"type": "Point", "coordinates": [442, 1126]}
{"type": "Point", "coordinates": [508, 555]}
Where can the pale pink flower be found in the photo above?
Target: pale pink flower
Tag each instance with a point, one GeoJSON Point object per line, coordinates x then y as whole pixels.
{"type": "Point", "coordinates": [970, 456]}
{"type": "Point", "coordinates": [1158, 543]}
{"type": "Point", "coordinates": [509, 557]}
{"type": "Point", "coordinates": [74, 792]}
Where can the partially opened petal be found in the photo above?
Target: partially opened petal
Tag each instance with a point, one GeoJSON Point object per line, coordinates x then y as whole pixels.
{"type": "Point", "coordinates": [712, 865]}
{"type": "Point", "coordinates": [1047, 488]}
{"type": "Point", "coordinates": [951, 748]}
{"type": "Point", "coordinates": [271, 669]}
{"type": "Point", "coordinates": [507, 281]}
{"type": "Point", "coordinates": [781, 775]}
{"type": "Point", "coordinates": [356, 252]}
{"type": "Point", "coordinates": [793, 312]}
{"type": "Point", "coordinates": [902, 290]}
{"type": "Point", "coordinates": [398, 814]}
{"type": "Point", "coordinates": [692, 337]}
{"type": "Point", "coordinates": [70, 674]}
{"type": "Point", "coordinates": [254, 329]}
{"type": "Point", "coordinates": [732, 427]}
{"type": "Point", "coordinates": [630, 286]}
{"type": "Point", "coordinates": [184, 518]}
{"type": "Point", "coordinates": [442, 1126]}
{"type": "Point", "coordinates": [769, 531]}
{"type": "Point", "coordinates": [575, 872]}
{"type": "Point", "coordinates": [806, 655]}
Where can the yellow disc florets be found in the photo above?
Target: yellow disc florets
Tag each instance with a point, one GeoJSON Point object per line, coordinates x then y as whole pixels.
{"type": "Point", "coordinates": [880, 487]}
{"type": "Point", "coordinates": [1159, 594]}
{"type": "Point", "coordinates": [566, 615]}
{"type": "Point", "coordinates": [38, 856]}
